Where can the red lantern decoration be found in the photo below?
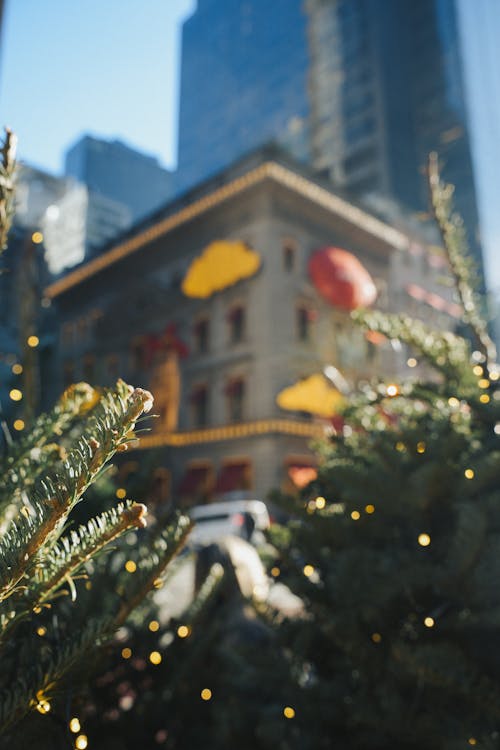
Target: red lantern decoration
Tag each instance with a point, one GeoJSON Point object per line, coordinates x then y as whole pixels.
{"type": "Point", "coordinates": [341, 279]}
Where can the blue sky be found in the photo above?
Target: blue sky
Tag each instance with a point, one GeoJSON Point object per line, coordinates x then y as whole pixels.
{"type": "Point", "coordinates": [111, 67]}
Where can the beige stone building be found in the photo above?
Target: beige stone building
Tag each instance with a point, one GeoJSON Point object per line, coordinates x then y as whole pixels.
{"type": "Point", "coordinates": [218, 363]}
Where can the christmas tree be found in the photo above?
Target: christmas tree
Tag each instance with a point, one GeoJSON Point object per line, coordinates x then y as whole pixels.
{"type": "Point", "coordinates": [60, 602]}
{"type": "Point", "coordinates": [395, 548]}
{"type": "Point", "coordinates": [212, 675]}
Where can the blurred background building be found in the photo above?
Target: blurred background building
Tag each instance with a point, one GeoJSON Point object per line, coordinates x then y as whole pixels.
{"type": "Point", "coordinates": [362, 89]}
{"type": "Point", "coordinates": [244, 82]}
{"type": "Point", "coordinates": [214, 306]}
{"type": "Point", "coordinates": [122, 174]}
{"type": "Point", "coordinates": [355, 93]}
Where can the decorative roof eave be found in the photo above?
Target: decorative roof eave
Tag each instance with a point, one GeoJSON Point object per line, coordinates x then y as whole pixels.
{"type": "Point", "coordinates": [268, 170]}
{"type": "Point", "coordinates": [231, 432]}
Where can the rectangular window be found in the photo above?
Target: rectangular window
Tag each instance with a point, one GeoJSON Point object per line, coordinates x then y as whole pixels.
{"type": "Point", "coordinates": [235, 392]}
{"type": "Point", "coordinates": [137, 354]}
{"type": "Point", "coordinates": [89, 368]}
{"type": "Point", "coordinates": [68, 373]}
{"type": "Point", "coordinates": [289, 252]}
{"type": "Point", "coordinates": [304, 318]}
{"type": "Point", "coordinates": [202, 336]}
{"type": "Point", "coordinates": [236, 319]}
{"type": "Point", "coordinates": [199, 406]}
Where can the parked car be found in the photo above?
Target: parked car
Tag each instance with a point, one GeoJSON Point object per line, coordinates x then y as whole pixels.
{"type": "Point", "coordinates": [247, 519]}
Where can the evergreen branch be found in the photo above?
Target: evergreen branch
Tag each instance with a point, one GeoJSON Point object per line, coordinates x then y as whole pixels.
{"type": "Point", "coordinates": [164, 548]}
{"type": "Point", "coordinates": [446, 352]}
{"type": "Point", "coordinates": [467, 543]}
{"type": "Point", "coordinates": [207, 591]}
{"type": "Point", "coordinates": [56, 495]}
{"type": "Point", "coordinates": [74, 550]}
{"type": "Point", "coordinates": [68, 556]}
{"type": "Point", "coordinates": [455, 242]}
{"type": "Point", "coordinates": [30, 456]}
{"type": "Point", "coordinates": [7, 179]}
{"type": "Point", "coordinates": [28, 690]}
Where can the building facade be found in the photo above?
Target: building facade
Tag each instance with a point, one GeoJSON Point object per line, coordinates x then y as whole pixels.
{"type": "Point", "coordinates": [113, 170]}
{"type": "Point", "coordinates": [213, 307]}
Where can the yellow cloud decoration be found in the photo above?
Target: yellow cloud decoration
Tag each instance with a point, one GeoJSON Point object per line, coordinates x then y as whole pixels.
{"type": "Point", "coordinates": [220, 265]}
{"type": "Point", "coordinates": [313, 394]}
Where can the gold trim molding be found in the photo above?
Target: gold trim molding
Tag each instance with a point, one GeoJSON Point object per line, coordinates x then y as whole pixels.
{"type": "Point", "coordinates": [230, 432]}
{"type": "Point", "coordinates": [273, 170]}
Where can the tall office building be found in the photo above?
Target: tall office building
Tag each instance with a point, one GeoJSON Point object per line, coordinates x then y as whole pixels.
{"type": "Point", "coordinates": [378, 83]}
{"type": "Point", "coordinates": [386, 89]}
{"type": "Point", "coordinates": [115, 171]}
{"type": "Point", "coordinates": [243, 82]}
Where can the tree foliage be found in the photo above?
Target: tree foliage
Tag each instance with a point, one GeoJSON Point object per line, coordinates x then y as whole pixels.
{"type": "Point", "coordinates": [52, 627]}
{"type": "Point", "coordinates": [395, 549]}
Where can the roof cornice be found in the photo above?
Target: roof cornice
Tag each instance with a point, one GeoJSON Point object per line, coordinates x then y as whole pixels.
{"type": "Point", "coordinates": [269, 170]}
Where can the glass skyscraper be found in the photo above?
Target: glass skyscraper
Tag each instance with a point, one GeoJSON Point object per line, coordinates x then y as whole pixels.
{"type": "Point", "coordinates": [114, 170]}
{"type": "Point", "coordinates": [244, 82]}
{"type": "Point", "coordinates": [363, 89]}
{"type": "Point", "coordinates": [386, 89]}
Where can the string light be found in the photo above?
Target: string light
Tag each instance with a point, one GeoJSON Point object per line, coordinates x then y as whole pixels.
{"type": "Point", "coordinates": [43, 706]}
{"type": "Point", "coordinates": [411, 362]}
{"type": "Point", "coordinates": [41, 631]}
{"type": "Point", "coordinates": [74, 725]}
{"type": "Point", "coordinates": [308, 571]}
{"type": "Point", "coordinates": [477, 370]}
{"type": "Point", "coordinates": [369, 509]}
{"type": "Point", "coordinates": [376, 637]}
{"type": "Point", "coordinates": [320, 502]}
{"type": "Point", "coordinates": [81, 742]}
{"type": "Point", "coordinates": [454, 402]}
{"type": "Point", "coordinates": [155, 657]}
{"type": "Point", "coordinates": [355, 515]}
{"type": "Point", "coordinates": [275, 572]}
{"type": "Point", "coordinates": [130, 566]}
{"type": "Point", "coordinates": [37, 238]}
{"type": "Point", "coordinates": [18, 425]}
{"type": "Point", "coordinates": [494, 375]}
{"type": "Point", "coordinates": [484, 398]}
{"type": "Point", "coordinates": [33, 341]}
{"type": "Point", "coordinates": [401, 447]}
{"type": "Point", "coordinates": [483, 383]}
{"type": "Point", "coordinates": [121, 493]}
{"type": "Point", "coordinates": [289, 712]}
{"type": "Point", "coordinates": [15, 394]}
{"type": "Point", "coordinates": [469, 473]}
{"type": "Point", "coordinates": [472, 741]}
{"type": "Point", "coordinates": [126, 653]}
{"type": "Point", "coordinates": [206, 694]}
{"type": "Point", "coordinates": [183, 631]}
{"type": "Point", "coordinates": [421, 447]}
{"type": "Point", "coordinates": [392, 390]}
{"type": "Point", "coordinates": [429, 622]}
{"type": "Point", "coordinates": [154, 625]}
{"type": "Point", "coordinates": [496, 428]}
{"type": "Point", "coordinates": [17, 368]}
{"type": "Point", "coordinates": [424, 540]}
